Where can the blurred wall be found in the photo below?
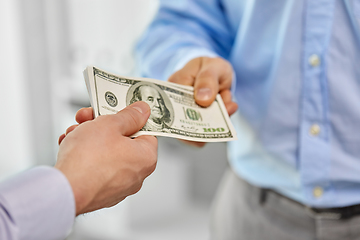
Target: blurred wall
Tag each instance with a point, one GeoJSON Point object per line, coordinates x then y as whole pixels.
{"type": "Point", "coordinates": [15, 136]}
{"type": "Point", "coordinates": [45, 46]}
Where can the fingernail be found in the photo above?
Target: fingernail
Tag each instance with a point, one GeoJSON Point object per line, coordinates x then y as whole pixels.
{"type": "Point", "coordinates": [203, 94]}
{"type": "Point", "coordinates": [140, 106]}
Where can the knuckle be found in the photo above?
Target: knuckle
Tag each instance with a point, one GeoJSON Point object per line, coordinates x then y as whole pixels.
{"type": "Point", "coordinates": [206, 74]}
{"type": "Point", "coordinates": [152, 161]}
{"type": "Point", "coordinates": [174, 77]}
{"type": "Point", "coordinates": [222, 64]}
{"type": "Point", "coordinates": [153, 166]}
{"type": "Point", "coordinates": [150, 158]}
{"type": "Point", "coordinates": [69, 129]}
{"type": "Point", "coordinates": [182, 77]}
{"type": "Point", "coordinates": [137, 187]}
{"type": "Point", "coordinates": [151, 155]}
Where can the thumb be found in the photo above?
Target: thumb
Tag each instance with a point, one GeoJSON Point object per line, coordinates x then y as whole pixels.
{"type": "Point", "coordinates": [132, 118]}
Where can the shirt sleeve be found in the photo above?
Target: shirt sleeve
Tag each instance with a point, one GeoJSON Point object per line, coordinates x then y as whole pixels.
{"type": "Point", "coordinates": [36, 204]}
{"type": "Point", "coordinates": [183, 30]}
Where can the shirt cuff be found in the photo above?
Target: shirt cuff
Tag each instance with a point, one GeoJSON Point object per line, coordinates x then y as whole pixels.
{"type": "Point", "coordinates": [40, 203]}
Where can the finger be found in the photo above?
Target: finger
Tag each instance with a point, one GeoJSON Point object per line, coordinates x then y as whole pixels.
{"type": "Point", "coordinates": [147, 140]}
{"type": "Point", "coordinates": [148, 145]}
{"type": "Point", "coordinates": [132, 118]}
{"type": "Point", "coordinates": [231, 108]}
{"type": "Point", "coordinates": [230, 105]}
{"type": "Point", "coordinates": [192, 143]}
{"type": "Point", "coordinates": [84, 114]}
{"type": "Point", "coordinates": [61, 138]}
{"type": "Point", "coordinates": [187, 75]}
{"type": "Point", "coordinates": [69, 129]}
{"type": "Point", "coordinates": [215, 75]}
{"type": "Point", "coordinates": [226, 95]}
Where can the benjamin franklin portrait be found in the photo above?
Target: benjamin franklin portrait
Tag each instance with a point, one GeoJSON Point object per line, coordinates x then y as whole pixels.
{"type": "Point", "coordinates": [161, 116]}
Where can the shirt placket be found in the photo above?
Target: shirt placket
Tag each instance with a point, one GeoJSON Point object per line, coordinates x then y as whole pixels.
{"type": "Point", "coordinates": [314, 148]}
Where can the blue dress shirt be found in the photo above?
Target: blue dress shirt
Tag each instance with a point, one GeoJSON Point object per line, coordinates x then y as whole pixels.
{"type": "Point", "coordinates": [297, 67]}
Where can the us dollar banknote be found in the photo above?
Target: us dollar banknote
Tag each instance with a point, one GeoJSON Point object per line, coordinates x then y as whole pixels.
{"type": "Point", "coordinates": [174, 112]}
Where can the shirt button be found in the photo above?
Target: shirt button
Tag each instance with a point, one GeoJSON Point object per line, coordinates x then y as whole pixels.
{"type": "Point", "coordinates": [314, 130]}
{"type": "Point", "coordinates": [318, 192]}
{"type": "Point", "coordinates": [314, 60]}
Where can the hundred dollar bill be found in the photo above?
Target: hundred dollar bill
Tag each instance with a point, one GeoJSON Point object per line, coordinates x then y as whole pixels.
{"type": "Point", "coordinates": [174, 112]}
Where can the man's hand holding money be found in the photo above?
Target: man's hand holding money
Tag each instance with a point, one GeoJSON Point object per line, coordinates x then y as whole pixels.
{"type": "Point", "coordinates": [208, 76]}
{"type": "Point", "coordinates": [101, 162]}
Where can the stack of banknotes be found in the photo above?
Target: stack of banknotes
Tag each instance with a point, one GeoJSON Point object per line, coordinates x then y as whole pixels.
{"type": "Point", "coordinates": [174, 112]}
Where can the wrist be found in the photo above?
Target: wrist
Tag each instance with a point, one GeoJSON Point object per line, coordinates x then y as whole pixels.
{"type": "Point", "coordinates": [82, 196]}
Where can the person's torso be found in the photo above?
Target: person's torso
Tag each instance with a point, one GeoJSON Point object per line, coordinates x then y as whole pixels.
{"type": "Point", "coordinates": [297, 64]}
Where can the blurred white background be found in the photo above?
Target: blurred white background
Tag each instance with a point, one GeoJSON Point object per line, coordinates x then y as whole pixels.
{"type": "Point", "coordinates": [44, 46]}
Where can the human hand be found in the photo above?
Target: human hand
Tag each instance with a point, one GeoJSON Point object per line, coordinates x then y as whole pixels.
{"type": "Point", "coordinates": [102, 163]}
{"type": "Point", "coordinates": [208, 76]}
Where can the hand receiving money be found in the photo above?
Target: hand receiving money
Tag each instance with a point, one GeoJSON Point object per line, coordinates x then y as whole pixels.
{"type": "Point", "coordinates": [174, 112]}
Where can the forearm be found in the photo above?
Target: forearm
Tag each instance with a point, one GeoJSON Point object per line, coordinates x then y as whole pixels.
{"type": "Point", "coordinates": [181, 32]}
{"type": "Point", "coordinates": [37, 204]}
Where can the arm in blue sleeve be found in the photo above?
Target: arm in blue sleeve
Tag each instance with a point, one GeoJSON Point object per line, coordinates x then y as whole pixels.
{"type": "Point", "coordinates": [183, 30]}
{"type": "Point", "coordinates": [36, 204]}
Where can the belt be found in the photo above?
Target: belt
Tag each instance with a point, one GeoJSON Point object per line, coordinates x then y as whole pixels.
{"type": "Point", "coordinates": [327, 213]}
{"type": "Point", "coordinates": [335, 213]}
